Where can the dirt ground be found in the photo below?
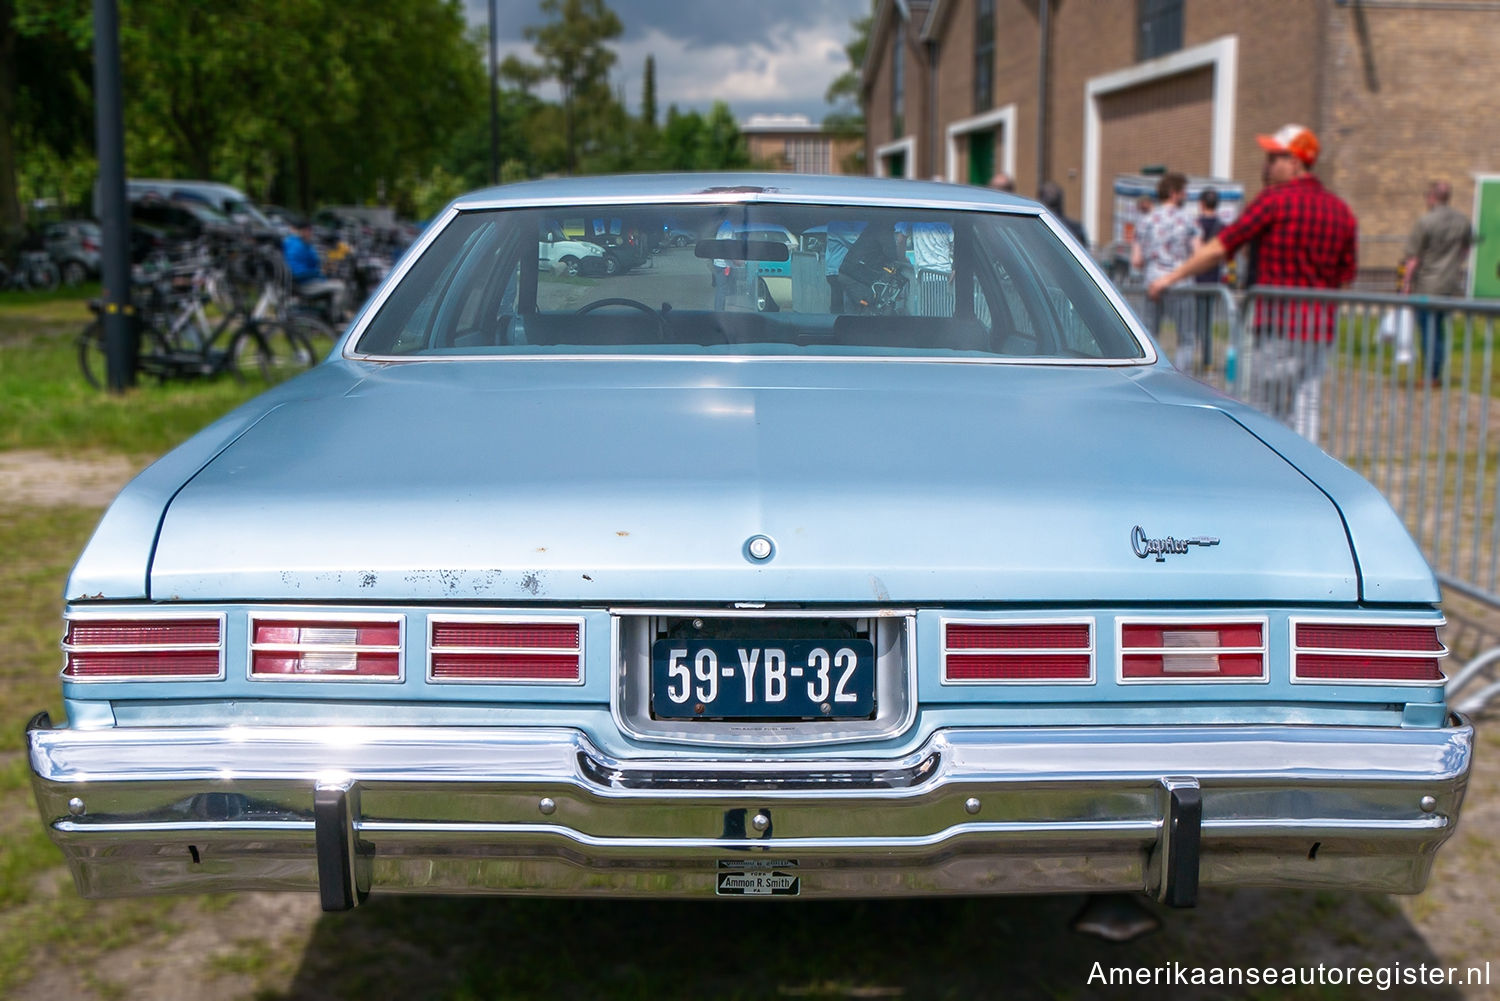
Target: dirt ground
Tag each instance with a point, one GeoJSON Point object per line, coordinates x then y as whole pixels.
{"type": "Point", "coordinates": [45, 479]}
{"type": "Point", "coordinates": [275, 946]}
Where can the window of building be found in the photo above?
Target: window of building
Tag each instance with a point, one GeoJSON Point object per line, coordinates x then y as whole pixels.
{"type": "Point", "coordinates": [898, 86]}
{"type": "Point", "coordinates": [984, 55]}
{"type": "Point", "coordinates": [1158, 28]}
{"type": "Point", "coordinates": [808, 155]}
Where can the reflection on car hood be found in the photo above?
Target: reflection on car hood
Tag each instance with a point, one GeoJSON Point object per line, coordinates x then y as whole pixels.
{"type": "Point", "coordinates": [643, 481]}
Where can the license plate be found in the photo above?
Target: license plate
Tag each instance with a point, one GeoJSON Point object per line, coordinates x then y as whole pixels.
{"type": "Point", "coordinates": [795, 679]}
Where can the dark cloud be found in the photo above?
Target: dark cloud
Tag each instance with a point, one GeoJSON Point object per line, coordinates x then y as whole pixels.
{"type": "Point", "coordinates": [693, 23]}
{"type": "Point", "coordinates": [763, 56]}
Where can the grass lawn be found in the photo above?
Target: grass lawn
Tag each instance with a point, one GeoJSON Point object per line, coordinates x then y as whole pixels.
{"type": "Point", "coordinates": [46, 404]}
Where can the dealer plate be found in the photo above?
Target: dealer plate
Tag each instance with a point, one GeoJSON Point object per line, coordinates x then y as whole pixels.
{"type": "Point", "coordinates": [757, 878]}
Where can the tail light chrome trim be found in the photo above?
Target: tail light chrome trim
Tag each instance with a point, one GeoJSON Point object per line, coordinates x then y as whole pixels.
{"type": "Point", "coordinates": [1261, 650]}
{"type": "Point", "coordinates": [344, 620]}
{"type": "Point", "coordinates": [559, 652]}
{"type": "Point", "coordinates": [1434, 653]}
{"type": "Point", "coordinates": [951, 655]}
{"type": "Point", "coordinates": [138, 648]}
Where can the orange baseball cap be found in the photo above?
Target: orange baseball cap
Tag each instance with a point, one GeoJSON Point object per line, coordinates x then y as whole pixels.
{"type": "Point", "coordinates": [1298, 140]}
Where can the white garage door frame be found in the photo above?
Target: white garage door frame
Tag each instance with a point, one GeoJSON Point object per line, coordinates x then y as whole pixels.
{"type": "Point", "coordinates": [1004, 117]}
{"type": "Point", "coordinates": [1222, 55]}
{"type": "Point", "coordinates": [906, 145]}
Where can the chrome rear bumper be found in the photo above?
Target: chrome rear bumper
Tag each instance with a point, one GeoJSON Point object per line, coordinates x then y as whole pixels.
{"type": "Point", "coordinates": [1157, 809]}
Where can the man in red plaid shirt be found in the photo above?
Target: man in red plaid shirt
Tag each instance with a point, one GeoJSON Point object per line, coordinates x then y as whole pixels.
{"type": "Point", "coordinates": [1300, 235]}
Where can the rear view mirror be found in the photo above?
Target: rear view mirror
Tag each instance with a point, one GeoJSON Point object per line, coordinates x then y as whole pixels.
{"type": "Point", "coordinates": [742, 250]}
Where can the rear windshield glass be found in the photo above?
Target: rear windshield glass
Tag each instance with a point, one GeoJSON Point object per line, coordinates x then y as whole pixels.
{"type": "Point", "coordinates": [757, 279]}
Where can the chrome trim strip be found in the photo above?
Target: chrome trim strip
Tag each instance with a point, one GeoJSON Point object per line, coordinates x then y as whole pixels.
{"type": "Point", "coordinates": [537, 619]}
{"type": "Point", "coordinates": [766, 196]}
{"type": "Point", "coordinates": [1194, 620]}
{"type": "Point", "coordinates": [761, 611]}
{"type": "Point", "coordinates": [1091, 650]}
{"type": "Point", "coordinates": [143, 756]}
{"type": "Point", "coordinates": [1310, 829]}
{"type": "Point", "coordinates": [1321, 620]}
{"type": "Point", "coordinates": [142, 616]}
{"type": "Point", "coordinates": [730, 778]}
{"type": "Point", "coordinates": [334, 618]}
{"type": "Point", "coordinates": [779, 359]}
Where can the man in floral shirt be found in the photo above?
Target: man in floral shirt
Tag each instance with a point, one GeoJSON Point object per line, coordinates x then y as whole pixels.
{"type": "Point", "coordinates": [1163, 240]}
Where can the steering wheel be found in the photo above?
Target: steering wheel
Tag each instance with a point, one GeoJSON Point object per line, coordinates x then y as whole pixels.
{"type": "Point", "coordinates": [661, 321]}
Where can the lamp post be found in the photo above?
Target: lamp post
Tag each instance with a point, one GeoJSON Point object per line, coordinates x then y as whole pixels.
{"type": "Point", "coordinates": [494, 106]}
{"type": "Point", "coordinates": [121, 341]}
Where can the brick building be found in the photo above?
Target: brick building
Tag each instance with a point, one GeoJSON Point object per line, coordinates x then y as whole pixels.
{"type": "Point", "coordinates": [793, 143]}
{"type": "Point", "coordinates": [1079, 91]}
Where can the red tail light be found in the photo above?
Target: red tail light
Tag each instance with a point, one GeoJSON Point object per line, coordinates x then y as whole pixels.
{"type": "Point", "coordinates": [1018, 652]}
{"type": "Point", "coordinates": [1367, 653]}
{"type": "Point", "coordinates": [326, 648]}
{"type": "Point", "coordinates": [481, 650]}
{"type": "Point", "coordinates": [151, 647]}
{"type": "Point", "coordinates": [1160, 650]}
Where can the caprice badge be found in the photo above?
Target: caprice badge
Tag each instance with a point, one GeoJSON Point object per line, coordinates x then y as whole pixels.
{"type": "Point", "coordinates": [1161, 548]}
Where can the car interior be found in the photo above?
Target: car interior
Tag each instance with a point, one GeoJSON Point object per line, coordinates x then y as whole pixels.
{"type": "Point", "coordinates": [760, 279]}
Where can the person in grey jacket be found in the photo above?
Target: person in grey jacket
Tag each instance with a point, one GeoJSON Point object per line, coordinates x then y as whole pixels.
{"type": "Point", "coordinates": [1435, 255]}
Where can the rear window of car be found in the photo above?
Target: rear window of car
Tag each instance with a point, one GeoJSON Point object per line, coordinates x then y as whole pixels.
{"type": "Point", "coordinates": [754, 279]}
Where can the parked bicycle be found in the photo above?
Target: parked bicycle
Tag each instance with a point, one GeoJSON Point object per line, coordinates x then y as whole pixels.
{"type": "Point", "coordinates": [34, 270]}
{"type": "Point", "coordinates": [179, 339]}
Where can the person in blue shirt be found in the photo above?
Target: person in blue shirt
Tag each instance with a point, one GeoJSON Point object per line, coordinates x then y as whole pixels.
{"type": "Point", "coordinates": [842, 233]}
{"type": "Point", "coordinates": [307, 273]}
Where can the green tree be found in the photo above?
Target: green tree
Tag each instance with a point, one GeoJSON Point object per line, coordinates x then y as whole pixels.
{"type": "Point", "coordinates": [299, 100]}
{"type": "Point", "coordinates": [648, 95]}
{"type": "Point", "coordinates": [573, 52]}
{"type": "Point", "coordinates": [844, 92]}
{"type": "Point", "coordinates": [46, 106]}
{"type": "Point", "coordinates": [693, 142]}
{"type": "Point", "coordinates": [520, 74]}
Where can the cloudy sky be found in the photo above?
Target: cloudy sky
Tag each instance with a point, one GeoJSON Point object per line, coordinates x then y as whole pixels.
{"type": "Point", "coordinates": [762, 56]}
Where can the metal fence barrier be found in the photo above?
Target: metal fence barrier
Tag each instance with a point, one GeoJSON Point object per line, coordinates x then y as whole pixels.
{"type": "Point", "coordinates": [1400, 389]}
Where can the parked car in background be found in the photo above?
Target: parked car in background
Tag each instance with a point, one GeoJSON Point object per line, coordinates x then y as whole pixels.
{"type": "Point", "coordinates": [74, 248]}
{"type": "Point", "coordinates": [574, 257]}
{"type": "Point", "coordinates": [772, 282]}
{"type": "Point", "coordinates": [556, 587]}
{"type": "Point", "coordinates": [676, 236]}
{"type": "Point", "coordinates": [183, 221]}
{"type": "Point", "coordinates": [228, 203]}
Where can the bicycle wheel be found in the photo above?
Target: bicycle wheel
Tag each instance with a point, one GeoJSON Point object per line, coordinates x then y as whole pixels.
{"type": "Point", "coordinates": [270, 352]}
{"type": "Point", "coordinates": [92, 358]}
{"type": "Point", "coordinates": [45, 276]}
{"type": "Point", "coordinates": [317, 334]}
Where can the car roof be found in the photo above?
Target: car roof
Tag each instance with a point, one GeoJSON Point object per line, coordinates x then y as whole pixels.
{"type": "Point", "coordinates": [217, 188]}
{"type": "Point", "coordinates": [690, 188]}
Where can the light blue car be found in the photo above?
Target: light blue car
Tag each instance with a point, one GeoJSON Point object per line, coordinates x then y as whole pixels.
{"type": "Point", "coordinates": [549, 584]}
